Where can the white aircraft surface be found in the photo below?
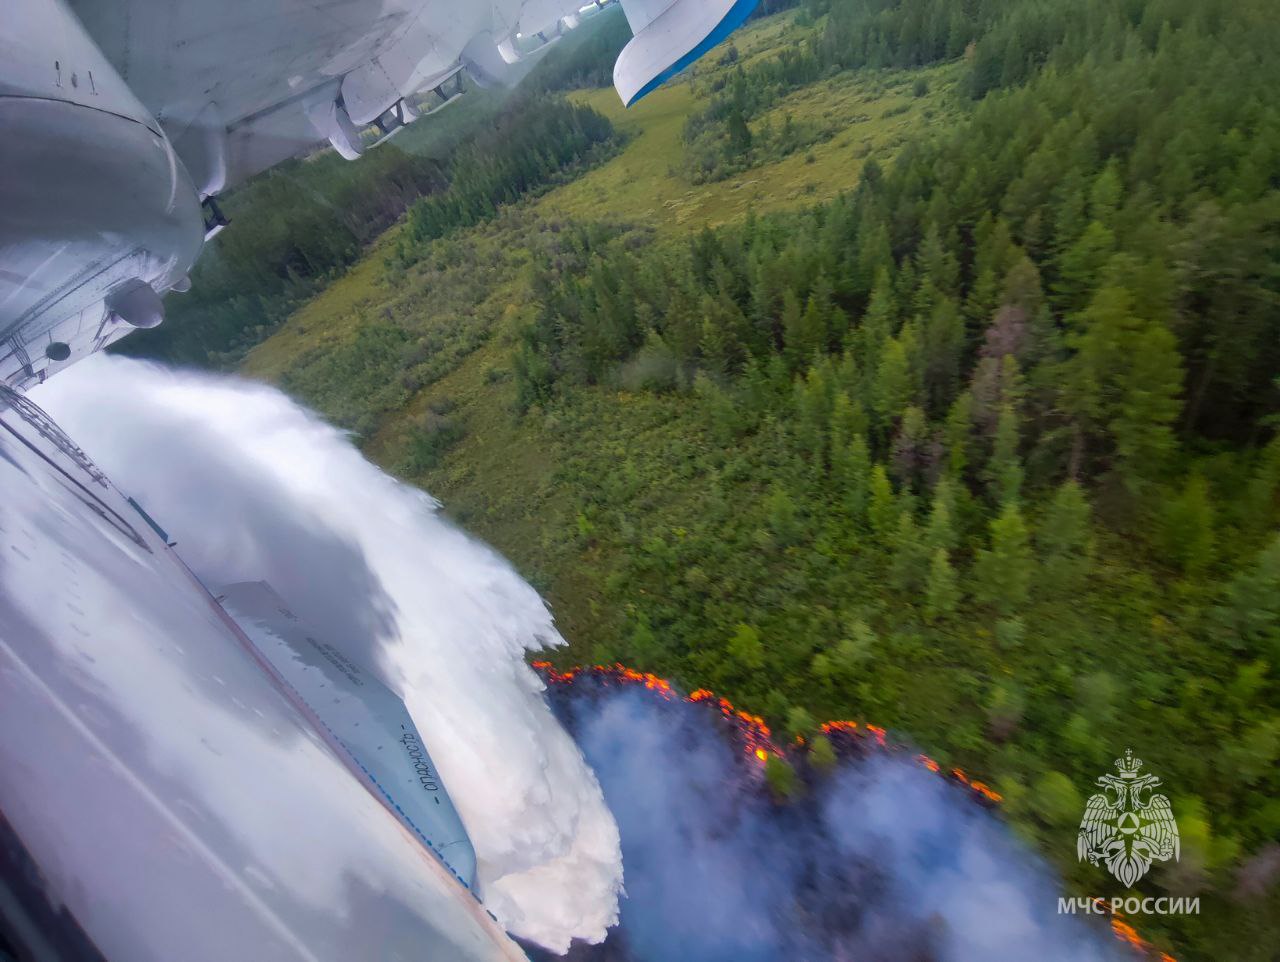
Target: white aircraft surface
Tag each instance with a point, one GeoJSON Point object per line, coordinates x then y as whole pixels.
{"type": "Point", "coordinates": [134, 705]}
{"type": "Point", "coordinates": [122, 120]}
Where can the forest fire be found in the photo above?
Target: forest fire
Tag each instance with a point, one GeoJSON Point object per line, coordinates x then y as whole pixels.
{"type": "Point", "coordinates": [756, 740]}
{"type": "Point", "coordinates": [1128, 934]}
{"type": "Point", "coordinates": [755, 734]}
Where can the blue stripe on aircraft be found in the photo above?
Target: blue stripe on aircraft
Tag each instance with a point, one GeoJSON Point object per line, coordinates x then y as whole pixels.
{"type": "Point", "coordinates": [737, 14]}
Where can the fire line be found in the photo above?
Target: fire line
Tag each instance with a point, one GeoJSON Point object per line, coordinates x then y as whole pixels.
{"type": "Point", "coordinates": [757, 742]}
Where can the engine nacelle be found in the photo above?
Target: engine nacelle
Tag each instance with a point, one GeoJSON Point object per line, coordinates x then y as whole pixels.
{"type": "Point", "coordinates": [95, 206]}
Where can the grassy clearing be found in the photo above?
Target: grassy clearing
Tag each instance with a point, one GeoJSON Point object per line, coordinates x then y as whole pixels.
{"type": "Point", "coordinates": [327, 319]}
{"type": "Point", "coordinates": [871, 112]}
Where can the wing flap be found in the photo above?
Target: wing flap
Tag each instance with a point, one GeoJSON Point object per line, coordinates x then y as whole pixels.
{"type": "Point", "coordinates": [363, 714]}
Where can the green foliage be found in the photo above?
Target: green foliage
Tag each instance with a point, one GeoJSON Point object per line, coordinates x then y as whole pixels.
{"type": "Point", "coordinates": [1057, 800]}
{"type": "Point", "coordinates": [800, 723]}
{"type": "Point", "coordinates": [1005, 709]}
{"type": "Point", "coordinates": [881, 512]}
{"type": "Point", "coordinates": [1251, 609]}
{"type": "Point", "coordinates": [822, 755]}
{"type": "Point", "coordinates": [941, 533]}
{"type": "Point", "coordinates": [745, 648]}
{"type": "Point", "coordinates": [1125, 382]}
{"type": "Point", "coordinates": [436, 433]}
{"type": "Point", "coordinates": [783, 518]}
{"type": "Point", "coordinates": [1064, 541]}
{"type": "Point", "coordinates": [1010, 633]}
{"type": "Point", "coordinates": [1189, 527]}
{"type": "Point", "coordinates": [780, 777]}
{"type": "Point", "coordinates": [524, 149]}
{"type": "Point", "coordinates": [1004, 470]}
{"type": "Point", "coordinates": [1004, 570]}
{"type": "Point", "coordinates": [910, 564]}
{"type": "Point", "coordinates": [942, 595]}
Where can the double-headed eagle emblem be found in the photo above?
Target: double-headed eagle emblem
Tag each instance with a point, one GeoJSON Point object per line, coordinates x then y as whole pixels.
{"type": "Point", "coordinates": [1124, 830]}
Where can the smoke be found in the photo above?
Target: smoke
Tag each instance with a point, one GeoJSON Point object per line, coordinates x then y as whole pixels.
{"type": "Point", "coordinates": [252, 487]}
{"type": "Point", "coordinates": [878, 860]}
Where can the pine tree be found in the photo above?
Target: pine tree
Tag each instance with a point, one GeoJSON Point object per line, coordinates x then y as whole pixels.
{"type": "Point", "coordinates": [1081, 265]}
{"type": "Point", "coordinates": [793, 333]}
{"type": "Point", "coordinates": [879, 323]}
{"type": "Point", "coordinates": [1106, 194]}
{"type": "Point", "coordinates": [959, 434]}
{"type": "Point", "coordinates": [783, 517]}
{"type": "Point", "coordinates": [715, 347]}
{"type": "Point", "coordinates": [984, 294]}
{"type": "Point", "coordinates": [991, 261]}
{"type": "Point", "coordinates": [882, 512]}
{"type": "Point", "coordinates": [1063, 540]}
{"type": "Point", "coordinates": [1004, 469]}
{"type": "Point", "coordinates": [892, 391]}
{"type": "Point", "coordinates": [781, 777]}
{"type": "Point", "coordinates": [941, 530]}
{"type": "Point", "coordinates": [1188, 527]}
{"type": "Point", "coordinates": [1124, 382]}
{"type": "Point", "coordinates": [937, 265]}
{"type": "Point", "coordinates": [1150, 390]}
{"type": "Point", "coordinates": [1022, 289]}
{"type": "Point", "coordinates": [942, 593]}
{"type": "Point", "coordinates": [813, 415]}
{"type": "Point", "coordinates": [1003, 571]}
{"type": "Point", "coordinates": [910, 562]}
{"type": "Point", "coordinates": [875, 266]}
{"type": "Point", "coordinates": [766, 298]}
{"type": "Point", "coordinates": [824, 322]}
{"type": "Point", "coordinates": [911, 453]}
{"type": "Point", "coordinates": [943, 348]}
{"type": "Point", "coordinates": [739, 132]}
{"type": "Point", "coordinates": [851, 476]}
{"type": "Point", "coordinates": [848, 420]}
{"type": "Point", "coordinates": [813, 329]}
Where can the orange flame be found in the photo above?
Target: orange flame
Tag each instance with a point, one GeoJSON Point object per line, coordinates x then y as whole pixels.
{"type": "Point", "coordinates": [979, 787]}
{"type": "Point", "coordinates": [1129, 935]}
{"type": "Point", "coordinates": [757, 740]}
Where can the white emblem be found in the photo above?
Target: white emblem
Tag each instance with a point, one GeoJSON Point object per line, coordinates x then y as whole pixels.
{"type": "Point", "coordinates": [1122, 830]}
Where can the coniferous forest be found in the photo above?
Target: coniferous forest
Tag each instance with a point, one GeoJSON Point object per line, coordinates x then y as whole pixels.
{"type": "Point", "coordinates": [980, 445]}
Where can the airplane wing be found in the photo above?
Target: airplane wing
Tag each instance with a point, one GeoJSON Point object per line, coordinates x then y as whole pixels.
{"type": "Point", "coordinates": [165, 797]}
{"type": "Point", "coordinates": [122, 120]}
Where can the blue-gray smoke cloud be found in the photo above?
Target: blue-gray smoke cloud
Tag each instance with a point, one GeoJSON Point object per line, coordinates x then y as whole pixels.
{"type": "Point", "coordinates": [879, 860]}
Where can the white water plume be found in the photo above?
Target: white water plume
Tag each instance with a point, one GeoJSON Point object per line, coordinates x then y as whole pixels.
{"type": "Point", "coordinates": [253, 487]}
